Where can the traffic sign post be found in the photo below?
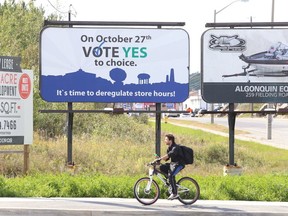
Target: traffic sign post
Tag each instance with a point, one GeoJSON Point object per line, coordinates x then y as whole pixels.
{"type": "Point", "coordinates": [16, 106]}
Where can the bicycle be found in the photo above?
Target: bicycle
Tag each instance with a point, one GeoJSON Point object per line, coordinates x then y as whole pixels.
{"type": "Point", "coordinates": [147, 191]}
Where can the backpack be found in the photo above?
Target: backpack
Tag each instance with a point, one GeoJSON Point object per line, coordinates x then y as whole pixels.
{"type": "Point", "coordinates": [188, 154]}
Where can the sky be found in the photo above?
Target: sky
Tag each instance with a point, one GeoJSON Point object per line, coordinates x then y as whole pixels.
{"type": "Point", "coordinates": [195, 14]}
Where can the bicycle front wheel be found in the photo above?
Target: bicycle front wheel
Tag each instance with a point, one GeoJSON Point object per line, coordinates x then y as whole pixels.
{"type": "Point", "coordinates": [188, 190]}
{"type": "Point", "coordinates": [146, 191]}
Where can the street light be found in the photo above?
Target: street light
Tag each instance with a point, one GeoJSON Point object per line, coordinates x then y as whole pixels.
{"type": "Point", "coordinates": [269, 116]}
{"type": "Point", "coordinates": [216, 12]}
{"type": "Point", "coordinates": [272, 13]}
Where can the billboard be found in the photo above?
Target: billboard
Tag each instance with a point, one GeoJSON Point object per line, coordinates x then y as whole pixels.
{"type": "Point", "coordinates": [16, 102]}
{"type": "Point", "coordinates": [114, 65]}
{"type": "Point", "coordinates": [244, 65]}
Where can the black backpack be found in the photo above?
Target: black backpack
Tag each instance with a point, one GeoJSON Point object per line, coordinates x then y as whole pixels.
{"type": "Point", "coordinates": [188, 154]}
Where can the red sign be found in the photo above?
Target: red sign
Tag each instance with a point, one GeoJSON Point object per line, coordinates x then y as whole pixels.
{"type": "Point", "coordinates": [24, 86]}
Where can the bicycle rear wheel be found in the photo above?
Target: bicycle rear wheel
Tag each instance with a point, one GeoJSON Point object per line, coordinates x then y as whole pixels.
{"type": "Point", "coordinates": [188, 190]}
{"type": "Point", "coordinates": [145, 191]}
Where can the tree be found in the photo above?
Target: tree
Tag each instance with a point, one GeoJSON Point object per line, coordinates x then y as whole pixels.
{"type": "Point", "coordinates": [20, 27]}
{"type": "Point", "coordinates": [21, 24]}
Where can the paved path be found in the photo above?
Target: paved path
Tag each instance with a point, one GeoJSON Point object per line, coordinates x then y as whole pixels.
{"type": "Point", "coordinates": [255, 128]}
{"type": "Point", "coordinates": [115, 206]}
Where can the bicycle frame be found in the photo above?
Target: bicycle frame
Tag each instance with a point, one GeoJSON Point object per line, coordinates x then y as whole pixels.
{"type": "Point", "coordinates": [153, 171]}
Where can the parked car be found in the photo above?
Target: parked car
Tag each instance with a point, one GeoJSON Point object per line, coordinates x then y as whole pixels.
{"type": "Point", "coordinates": [216, 109]}
{"type": "Point", "coordinates": [184, 115]}
{"type": "Point", "coordinates": [200, 112]}
{"type": "Point", "coordinates": [108, 109]}
{"type": "Point", "coordinates": [172, 114]}
{"type": "Point", "coordinates": [195, 112]}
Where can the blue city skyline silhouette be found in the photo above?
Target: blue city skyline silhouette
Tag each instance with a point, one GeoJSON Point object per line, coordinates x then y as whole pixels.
{"type": "Point", "coordinates": [74, 87]}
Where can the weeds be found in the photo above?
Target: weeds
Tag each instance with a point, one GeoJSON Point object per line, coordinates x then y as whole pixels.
{"type": "Point", "coordinates": [128, 144]}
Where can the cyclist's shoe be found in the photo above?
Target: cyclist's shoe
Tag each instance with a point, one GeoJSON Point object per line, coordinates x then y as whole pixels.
{"type": "Point", "coordinates": [173, 196]}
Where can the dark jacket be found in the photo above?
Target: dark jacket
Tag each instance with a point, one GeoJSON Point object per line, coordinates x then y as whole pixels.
{"type": "Point", "coordinates": [175, 154]}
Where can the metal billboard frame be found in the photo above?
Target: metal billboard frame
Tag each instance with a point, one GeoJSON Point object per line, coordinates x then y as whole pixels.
{"type": "Point", "coordinates": [70, 112]}
{"type": "Point", "coordinates": [231, 112]}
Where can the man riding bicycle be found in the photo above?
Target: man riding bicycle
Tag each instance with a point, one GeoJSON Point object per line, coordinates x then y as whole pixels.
{"type": "Point", "coordinates": [177, 163]}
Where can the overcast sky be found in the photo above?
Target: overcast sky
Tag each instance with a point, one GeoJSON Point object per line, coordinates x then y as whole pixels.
{"type": "Point", "coordinates": [194, 13]}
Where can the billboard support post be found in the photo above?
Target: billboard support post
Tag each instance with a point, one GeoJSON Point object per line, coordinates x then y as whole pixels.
{"type": "Point", "coordinates": [158, 125]}
{"type": "Point", "coordinates": [158, 129]}
{"type": "Point", "coordinates": [26, 158]}
{"type": "Point", "coordinates": [231, 122]}
{"type": "Point", "coordinates": [70, 120]}
{"type": "Point", "coordinates": [69, 134]}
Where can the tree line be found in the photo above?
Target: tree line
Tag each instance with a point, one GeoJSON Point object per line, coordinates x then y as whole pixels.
{"type": "Point", "coordinates": [21, 24]}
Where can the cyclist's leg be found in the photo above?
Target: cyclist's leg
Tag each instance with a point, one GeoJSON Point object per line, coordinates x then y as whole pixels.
{"type": "Point", "coordinates": [172, 175]}
{"type": "Point", "coordinates": [165, 168]}
{"type": "Point", "coordinates": [177, 169]}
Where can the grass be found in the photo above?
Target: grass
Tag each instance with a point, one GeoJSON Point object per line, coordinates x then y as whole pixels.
{"type": "Point", "coordinates": [112, 151]}
{"type": "Point", "coordinates": [118, 151]}
{"type": "Point", "coordinates": [260, 188]}
{"type": "Point", "coordinates": [212, 152]}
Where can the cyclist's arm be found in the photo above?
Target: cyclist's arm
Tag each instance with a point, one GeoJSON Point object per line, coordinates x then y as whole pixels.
{"type": "Point", "coordinates": [173, 153]}
{"type": "Point", "coordinates": [165, 157]}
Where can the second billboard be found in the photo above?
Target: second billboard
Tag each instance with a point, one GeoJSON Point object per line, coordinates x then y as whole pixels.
{"type": "Point", "coordinates": [245, 65]}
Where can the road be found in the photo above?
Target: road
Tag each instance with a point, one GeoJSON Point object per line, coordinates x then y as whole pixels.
{"type": "Point", "coordinates": [257, 129]}
{"type": "Point", "coordinates": [118, 206]}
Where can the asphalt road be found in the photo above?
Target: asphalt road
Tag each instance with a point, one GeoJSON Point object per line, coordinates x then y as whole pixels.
{"type": "Point", "coordinates": [115, 206]}
{"type": "Point", "coordinates": [256, 129]}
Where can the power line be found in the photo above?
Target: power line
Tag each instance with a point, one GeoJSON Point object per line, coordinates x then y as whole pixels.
{"type": "Point", "coordinates": [62, 12]}
{"type": "Point", "coordinates": [56, 8]}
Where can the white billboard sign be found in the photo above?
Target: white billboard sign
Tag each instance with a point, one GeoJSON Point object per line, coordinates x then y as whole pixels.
{"type": "Point", "coordinates": [245, 65]}
{"type": "Point", "coordinates": [16, 102]}
{"type": "Point", "coordinates": [114, 65]}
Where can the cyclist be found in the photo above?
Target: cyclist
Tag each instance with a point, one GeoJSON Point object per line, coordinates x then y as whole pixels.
{"type": "Point", "coordinates": [177, 163]}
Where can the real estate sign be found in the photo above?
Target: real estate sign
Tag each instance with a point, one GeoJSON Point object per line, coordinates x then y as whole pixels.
{"type": "Point", "coordinates": [245, 65]}
{"type": "Point", "coordinates": [114, 65]}
{"type": "Point", "coordinates": [16, 102]}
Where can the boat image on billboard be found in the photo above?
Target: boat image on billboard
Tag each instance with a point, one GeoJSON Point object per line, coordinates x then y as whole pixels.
{"type": "Point", "coordinates": [270, 63]}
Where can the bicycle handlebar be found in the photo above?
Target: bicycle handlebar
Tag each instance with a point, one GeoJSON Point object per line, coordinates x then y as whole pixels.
{"type": "Point", "coordinates": [154, 163]}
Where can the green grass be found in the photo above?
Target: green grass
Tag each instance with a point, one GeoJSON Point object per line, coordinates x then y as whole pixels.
{"type": "Point", "coordinates": [261, 188]}
{"type": "Point", "coordinates": [212, 151]}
